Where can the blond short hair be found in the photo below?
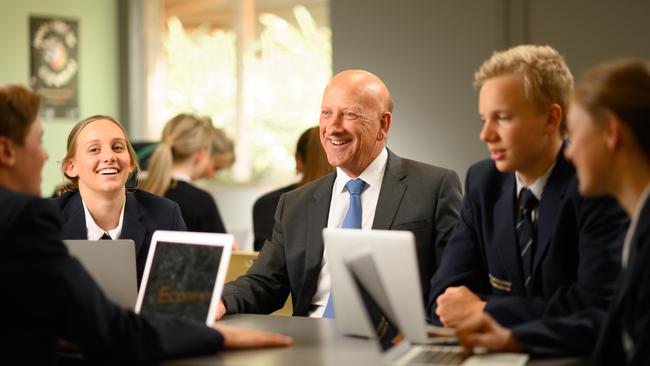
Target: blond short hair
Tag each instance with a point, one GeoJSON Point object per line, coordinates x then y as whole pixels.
{"type": "Point", "coordinates": [546, 76]}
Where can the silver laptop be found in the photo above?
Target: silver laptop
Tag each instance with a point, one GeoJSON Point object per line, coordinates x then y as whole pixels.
{"type": "Point", "coordinates": [394, 347]}
{"type": "Point", "coordinates": [112, 265]}
{"type": "Point", "coordinates": [394, 253]}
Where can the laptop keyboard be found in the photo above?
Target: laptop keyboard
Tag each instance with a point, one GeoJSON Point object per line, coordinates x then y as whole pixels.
{"type": "Point", "coordinates": [439, 357]}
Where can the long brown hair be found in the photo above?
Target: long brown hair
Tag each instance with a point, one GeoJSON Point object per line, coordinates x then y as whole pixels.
{"type": "Point", "coordinates": [621, 87]}
{"type": "Point", "coordinates": [315, 163]}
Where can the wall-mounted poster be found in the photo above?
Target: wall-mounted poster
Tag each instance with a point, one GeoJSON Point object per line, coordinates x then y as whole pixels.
{"type": "Point", "coordinates": [55, 65]}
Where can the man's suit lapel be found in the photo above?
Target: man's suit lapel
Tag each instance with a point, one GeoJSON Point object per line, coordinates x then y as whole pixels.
{"type": "Point", "coordinates": [391, 193]}
{"type": "Point", "coordinates": [74, 225]}
{"type": "Point", "coordinates": [554, 191]}
{"type": "Point", "coordinates": [505, 235]}
{"type": "Point", "coordinates": [132, 227]}
{"type": "Point", "coordinates": [317, 212]}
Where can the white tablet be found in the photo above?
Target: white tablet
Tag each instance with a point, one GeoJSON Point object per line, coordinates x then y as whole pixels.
{"type": "Point", "coordinates": [184, 275]}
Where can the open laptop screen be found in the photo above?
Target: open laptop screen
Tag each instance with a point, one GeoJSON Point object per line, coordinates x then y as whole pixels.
{"type": "Point", "coordinates": [101, 258]}
{"type": "Point", "coordinates": [184, 275]}
{"type": "Point", "coordinates": [387, 332]}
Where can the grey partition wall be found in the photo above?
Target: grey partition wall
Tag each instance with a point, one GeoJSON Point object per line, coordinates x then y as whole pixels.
{"type": "Point", "coordinates": [428, 50]}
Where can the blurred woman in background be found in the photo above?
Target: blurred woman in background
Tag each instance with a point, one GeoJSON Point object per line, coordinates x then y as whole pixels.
{"type": "Point", "coordinates": [190, 148]}
{"type": "Point", "coordinates": [311, 163]}
{"type": "Point", "coordinates": [222, 154]}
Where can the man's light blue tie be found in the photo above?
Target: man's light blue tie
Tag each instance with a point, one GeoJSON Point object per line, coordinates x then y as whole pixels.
{"type": "Point", "coordinates": [352, 220]}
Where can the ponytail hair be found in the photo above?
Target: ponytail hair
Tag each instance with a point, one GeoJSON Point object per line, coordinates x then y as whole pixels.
{"type": "Point", "coordinates": [159, 170]}
{"type": "Point", "coordinates": [182, 136]}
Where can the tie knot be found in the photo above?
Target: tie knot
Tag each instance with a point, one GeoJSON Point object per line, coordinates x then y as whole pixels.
{"type": "Point", "coordinates": [527, 199]}
{"type": "Point", "coordinates": [355, 186]}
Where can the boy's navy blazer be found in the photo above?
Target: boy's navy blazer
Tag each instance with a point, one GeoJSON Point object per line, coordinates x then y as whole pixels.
{"type": "Point", "coordinates": [576, 259]}
{"type": "Point", "coordinates": [144, 213]}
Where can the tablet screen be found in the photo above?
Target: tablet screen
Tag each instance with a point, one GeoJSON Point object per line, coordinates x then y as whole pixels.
{"type": "Point", "coordinates": [181, 280]}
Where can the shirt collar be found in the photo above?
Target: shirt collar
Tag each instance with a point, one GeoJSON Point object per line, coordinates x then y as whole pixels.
{"type": "Point", "coordinates": [632, 228]}
{"type": "Point", "coordinates": [642, 201]}
{"type": "Point", "coordinates": [181, 177]}
{"type": "Point", "coordinates": [372, 175]}
{"type": "Point", "coordinates": [538, 185]}
{"type": "Point", "coordinates": [94, 232]}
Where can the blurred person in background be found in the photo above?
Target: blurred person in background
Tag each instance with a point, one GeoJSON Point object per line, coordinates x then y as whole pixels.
{"type": "Point", "coordinates": [311, 163]}
{"type": "Point", "coordinates": [222, 155]}
{"type": "Point", "coordinates": [187, 152]}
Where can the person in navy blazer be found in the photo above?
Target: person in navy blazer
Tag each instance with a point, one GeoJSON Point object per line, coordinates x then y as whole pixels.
{"type": "Point", "coordinates": [144, 213]}
{"type": "Point", "coordinates": [524, 93]}
{"type": "Point", "coordinates": [47, 295]}
{"type": "Point", "coordinates": [189, 148]}
{"type": "Point", "coordinates": [99, 160]}
{"type": "Point", "coordinates": [609, 124]}
{"type": "Point", "coordinates": [409, 195]}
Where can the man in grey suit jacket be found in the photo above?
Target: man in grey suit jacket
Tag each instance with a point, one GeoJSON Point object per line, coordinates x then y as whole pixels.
{"type": "Point", "coordinates": [399, 194]}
